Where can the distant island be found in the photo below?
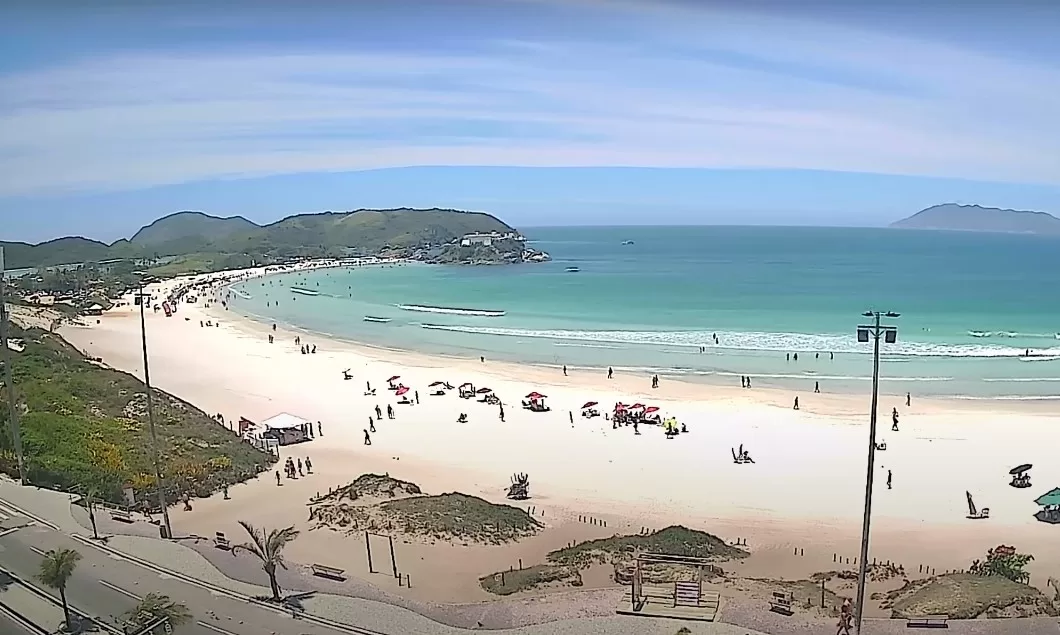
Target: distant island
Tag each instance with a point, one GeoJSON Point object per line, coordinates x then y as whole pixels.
{"type": "Point", "coordinates": [209, 243]}
{"type": "Point", "coordinates": [975, 218]}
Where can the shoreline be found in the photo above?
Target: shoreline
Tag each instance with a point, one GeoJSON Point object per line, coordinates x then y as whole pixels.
{"type": "Point", "coordinates": [804, 491]}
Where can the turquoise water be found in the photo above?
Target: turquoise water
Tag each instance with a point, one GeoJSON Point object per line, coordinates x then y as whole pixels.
{"type": "Point", "coordinates": [971, 305]}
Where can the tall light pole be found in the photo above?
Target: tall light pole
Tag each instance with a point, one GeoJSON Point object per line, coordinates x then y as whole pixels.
{"type": "Point", "coordinates": [151, 413]}
{"type": "Point", "coordinates": [5, 355]}
{"type": "Point", "coordinates": [889, 334]}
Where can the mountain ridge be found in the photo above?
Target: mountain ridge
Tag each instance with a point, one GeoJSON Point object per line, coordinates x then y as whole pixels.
{"type": "Point", "coordinates": [977, 218]}
{"type": "Point", "coordinates": [320, 234]}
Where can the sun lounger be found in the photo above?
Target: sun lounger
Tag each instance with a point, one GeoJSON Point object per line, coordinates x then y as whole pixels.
{"type": "Point", "coordinates": [221, 542]}
{"type": "Point", "coordinates": [122, 515]}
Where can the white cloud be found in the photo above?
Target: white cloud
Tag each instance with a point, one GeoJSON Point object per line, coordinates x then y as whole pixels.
{"type": "Point", "coordinates": [667, 86]}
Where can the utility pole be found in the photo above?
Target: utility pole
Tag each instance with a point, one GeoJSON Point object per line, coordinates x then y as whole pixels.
{"type": "Point", "coordinates": [5, 355]}
{"type": "Point", "coordinates": [889, 334]}
{"type": "Point", "coordinates": [151, 417]}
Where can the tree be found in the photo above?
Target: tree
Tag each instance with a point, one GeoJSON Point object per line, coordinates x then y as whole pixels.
{"type": "Point", "coordinates": [155, 606]}
{"type": "Point", "coordinates": [55, 570]}
{"type": "Point", "coordinates": [268, 549]}
{"type": "Point", "coordinates": [1005, 562]}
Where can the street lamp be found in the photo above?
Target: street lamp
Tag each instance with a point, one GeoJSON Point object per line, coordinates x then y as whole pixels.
{"type": "Point", "coordinates": [889, 334]}
{"type": "Point", "coordinates": [5, 355]}
{"type": "Point", "coordinates": [151, 411]}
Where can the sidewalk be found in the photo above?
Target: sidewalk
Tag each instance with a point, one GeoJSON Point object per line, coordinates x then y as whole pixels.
{"type": "Point", "coordinates": [32, 607]}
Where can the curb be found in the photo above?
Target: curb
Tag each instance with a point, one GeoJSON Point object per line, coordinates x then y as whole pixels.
{"type": "Point", "coordinates": [234, 595]}
{"type": "Point", "coordinates": [22, 620]}
{"type": "Point", "coordinates": [34, 517]}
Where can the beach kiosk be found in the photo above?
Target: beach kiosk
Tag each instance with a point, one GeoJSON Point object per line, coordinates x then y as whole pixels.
{"type": "Point", "coordinates": [1050, 503]}
{"type": "Point", "coordinates": [286, 429]}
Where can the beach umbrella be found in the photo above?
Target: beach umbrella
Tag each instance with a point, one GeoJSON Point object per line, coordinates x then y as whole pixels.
{"type": "Point", "coordinates": [437, 383]}
{"type": "Point", "coordinates": [394, 378]}
{"type": "Point", "coordinates": [401, 390]}
{"type": "Point", "coordinates": [651, 409]}
{"type": "Point", "coordinates": [636, 406]}
{"type": "Point", "coordinates": [483, 391]}
{"type": "Point", "coordinates": [535, 395]}
{"type": "Point", "coordinates": [589, 404]}
{"type": "Point", "coordinates": [1020, 469]}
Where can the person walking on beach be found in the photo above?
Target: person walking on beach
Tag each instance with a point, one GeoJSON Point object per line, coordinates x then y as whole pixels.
{"type": "Point", "coordinates": [894, 420]}
{"type": "Point", "coordinates": [308, 465]}
{"type": "Point", "coordinates": [743, 381]}
{"type": "Point", "coordinates": [908, 398]}
{"type": "Point", "coordinates": [389, 411]}
{"type": "Point", "coordinates": [277, 478]}
{"type": "Point", "coordinates": [610, 372]}
{"type": "Point", "coordinates": [564, 370]}
{"type": "Point", "coordinates": [416, 394]}
{"type": "Point", "coordinates": [748, 381]}
{"type": "Point", "coordinates": [796, 403]}
{"type": "Point", "coordinates": [817, 386]}
{"type": "Point", "coordinates": [320, 429]}
{"type": "Point", "coordinates": [371, 423]}
{"type": "Point", "coordinates": [888, 479]}
{"type": "Point", "coordinates": [299, 463]}
{"type": "Point", "coordinates": [367, 439]}
{"type": "Point", "coordinates": [654, 381]}
{"type": "Point", "coordinates": [378, 412]}
{"type": "Point", "coordinates": [500, 413]}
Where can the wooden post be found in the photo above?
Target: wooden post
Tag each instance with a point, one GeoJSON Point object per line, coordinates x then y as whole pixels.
{"type": "Point", "coordinates": [368, 548]}
{"type": "Point", "coordinates": [408, 581]}
{"type": "Point", "coordinates": [502, 578]}
{"type": "Point", "coordinates": [822, 593]}
{"type": "Point", "coordinates": [393, 558]}
{"type": "Point", "coordinates": [520, 564]}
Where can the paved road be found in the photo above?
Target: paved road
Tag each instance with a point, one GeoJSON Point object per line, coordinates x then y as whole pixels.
{"type": "Point", "coordinates": [105, 586]}
{"type": "Point", "coordinates": [9, 626]}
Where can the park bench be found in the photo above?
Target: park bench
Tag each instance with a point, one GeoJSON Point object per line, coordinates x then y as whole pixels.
{"type": "Point", "coordinates": [686, 593]}
{"type": "Point", "coordinates": [928, 621]}
{"type": "Point", "coordinates": [122, 515]}
{"type": "Point", "coordinates": [220, 541]}
{"type": "Point", "coordinates": [782, 602]}
{"type": "Point", "coordinates": [331, 573]}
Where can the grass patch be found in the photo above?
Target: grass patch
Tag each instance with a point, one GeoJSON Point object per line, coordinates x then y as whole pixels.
{"type": "Point", "coordinates": [675, 540]}
{"type": "Point", "coordinates": [509, 582]}
{"type": "Point", "coordinates": [85, 427]}
{"type": "Point", "coordinates": [967, 596]}
{"type": "Point", "coordinates": [446, 517]}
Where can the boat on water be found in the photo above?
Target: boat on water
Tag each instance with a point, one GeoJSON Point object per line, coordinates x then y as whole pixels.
{"type": "Point", "coordinates": [372, 318]}
{"type": "Point", "coordinates": [628, 242]}
{"type": "Point", "coordinates": [573, 270]}
{"type": "Point", "coordinates": [304, 291]}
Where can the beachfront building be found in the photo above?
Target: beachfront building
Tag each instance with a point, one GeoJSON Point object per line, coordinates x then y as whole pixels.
{"type": "Point", "coordinates": [286, 429]}
{"type": "Point", "coordinates": [488, 239]}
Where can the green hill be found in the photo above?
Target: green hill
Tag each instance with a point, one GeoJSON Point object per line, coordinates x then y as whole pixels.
{"type": "Point", "coordinates": [210, 239]}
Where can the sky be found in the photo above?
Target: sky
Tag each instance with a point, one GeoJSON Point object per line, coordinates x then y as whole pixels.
{"type": "Point", "coordinates": [544, 112]}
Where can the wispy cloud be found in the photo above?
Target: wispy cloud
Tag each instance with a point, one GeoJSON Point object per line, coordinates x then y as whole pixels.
{"type": "Point", "coordinates": [642, 85]}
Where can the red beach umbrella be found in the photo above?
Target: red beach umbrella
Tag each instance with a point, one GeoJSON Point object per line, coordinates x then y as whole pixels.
{"type": "Point", "coordinates": [401, 390]}
{"type": "Point", "coordinates": [437, 383]}
{"type": "Point", "coordinates": [651, 409]}
{"type": "Point", "coordinates": [535, 395]}
{"type": "Point", "coordinates": [395, 377]}
{"type": "Point", "coordinates": [589, 404]}
{"type": "Point", "coordinates": [636, 406]}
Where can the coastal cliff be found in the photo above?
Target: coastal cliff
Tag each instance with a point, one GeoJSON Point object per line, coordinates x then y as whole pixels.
{"type": "Point", "coordinates": [976, 218]}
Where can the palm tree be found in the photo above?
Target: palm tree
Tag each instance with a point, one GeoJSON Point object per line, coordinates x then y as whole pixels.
{"type": "Point", "coordinates": [55, 570]}
{"type": "Point", "coordinates": [155, 606]}
{"type": "Point", "coordinates": [268, 549]}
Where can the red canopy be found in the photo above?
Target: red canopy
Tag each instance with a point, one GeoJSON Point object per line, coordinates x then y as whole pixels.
{"type": "Point", "coordinates": [589, 404]}
{"type": "Point", "coordinates": [535, 395]}
{"type": "Point", "coordinates": [620, 406]}
{"type": "Point", "coordinates": [437, 383]}
{"type": "Point", "coordinates": [651, 409]}
{"type": "Point", "coordinates": [394, 377]}
{"type": "Point", "coordinates": [401, 390]}
{"type": "Point", "coordinates": [483, 391]}
{"type": "Point", "coordinates": [636, 406]}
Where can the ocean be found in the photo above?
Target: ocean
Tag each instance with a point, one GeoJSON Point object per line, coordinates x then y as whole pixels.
{"type": "Point", "coordinates": [980, 313]}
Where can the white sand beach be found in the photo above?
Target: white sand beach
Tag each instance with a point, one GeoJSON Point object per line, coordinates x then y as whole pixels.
{"type": "Point", "coordinates": [804, 490]}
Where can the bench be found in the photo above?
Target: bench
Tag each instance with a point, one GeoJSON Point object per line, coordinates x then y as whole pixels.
{"type": "Point", "coordinates": [928, 621]}
{"type": "Point", "coordinates": [686, 593]}
{"type": "Point", "coordinates": [782, 603]}
{"type": "Point", "coordinates": [221, 542]}
{"type": "Point", "coordinates": [122, 515]}
{"type": "Point", "coordinates": [331, 573]}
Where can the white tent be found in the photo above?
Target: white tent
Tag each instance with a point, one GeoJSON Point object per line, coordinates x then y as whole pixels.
{"type": "Point", "coordinates": [284, 421]}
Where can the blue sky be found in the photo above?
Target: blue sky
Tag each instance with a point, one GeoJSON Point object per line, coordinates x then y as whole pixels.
{"type": "Point", "coordinates": [542, 111]}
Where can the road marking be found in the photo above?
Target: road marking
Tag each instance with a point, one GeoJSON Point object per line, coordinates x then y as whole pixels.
{"type": "Point", "coordinates": [38, 551]}
{"type": "Point", "coordinates": [9, 531]}
{"type": "Point", "coordinates": [215, 628]}
{"type": "Point", "coordinates": [120, 590]}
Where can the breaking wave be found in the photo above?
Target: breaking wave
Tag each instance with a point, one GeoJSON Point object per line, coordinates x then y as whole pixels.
{"type": "Point", "coordinates": [756, 341]}
{"type": "Point", "coordinates": [1013, 334]}
{"type": "Point", "coordinates": [450, 310]}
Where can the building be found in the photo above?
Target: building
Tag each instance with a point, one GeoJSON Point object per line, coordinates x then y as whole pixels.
{"type": "Point", "coordinates": [488, 239]}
